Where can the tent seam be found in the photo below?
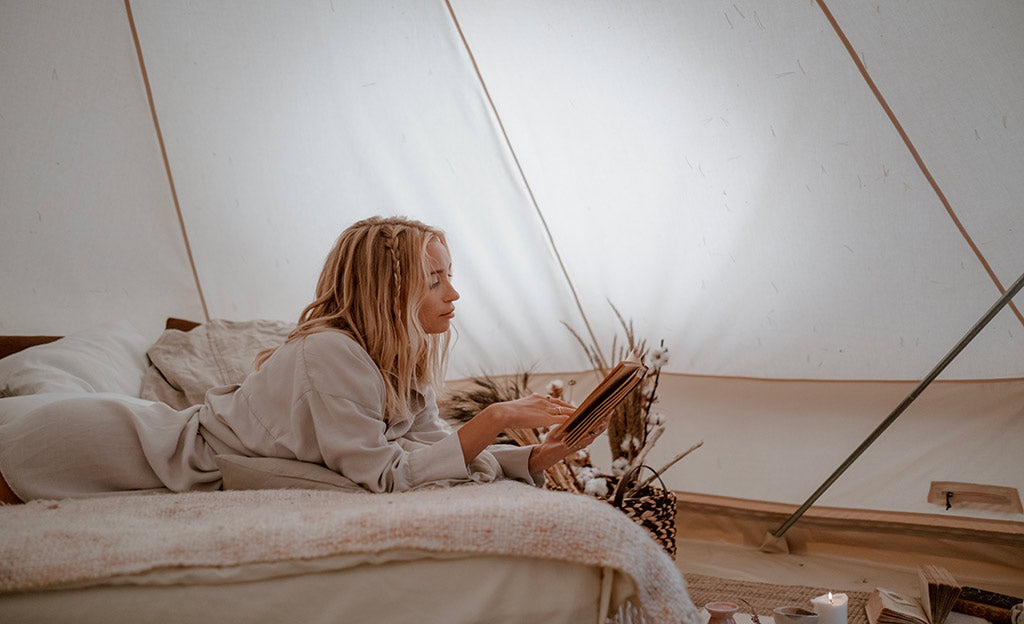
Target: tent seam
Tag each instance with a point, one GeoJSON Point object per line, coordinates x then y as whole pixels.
{"type": "Point", "coordinates": [166, 160]}
{"type": "Point", "coordinates": [796, 380]}
{"type": "Point", "coordinates": [522, 176]}
{"type": "Point", "coordinates": [915, 154]}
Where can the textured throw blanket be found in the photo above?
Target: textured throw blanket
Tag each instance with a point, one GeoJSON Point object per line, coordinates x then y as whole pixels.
{"type": "Point", "coordinates": [53, 543]}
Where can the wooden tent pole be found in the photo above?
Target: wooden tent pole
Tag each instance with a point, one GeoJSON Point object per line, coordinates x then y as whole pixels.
{"type": "Point", "coordinates": [1005, 299]}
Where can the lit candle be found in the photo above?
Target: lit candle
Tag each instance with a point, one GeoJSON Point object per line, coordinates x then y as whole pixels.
{"type": "Point", "coordinates": [831, 608]}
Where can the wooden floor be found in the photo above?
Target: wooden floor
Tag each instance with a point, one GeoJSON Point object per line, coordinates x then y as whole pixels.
{"type": "Point", "coordinates": [815, 570]}
{"type": "Point", "coordinates": [840, 550]}
{"type": "Point", "coordinates": [750, 564]}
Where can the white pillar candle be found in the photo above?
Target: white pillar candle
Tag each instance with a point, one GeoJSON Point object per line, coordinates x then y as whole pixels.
{"type": "Point", "coordinates": [831, 608]}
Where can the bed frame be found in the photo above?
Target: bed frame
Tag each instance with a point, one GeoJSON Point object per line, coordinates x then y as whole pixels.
{"type": "Point", "coordinates": [524, 554]}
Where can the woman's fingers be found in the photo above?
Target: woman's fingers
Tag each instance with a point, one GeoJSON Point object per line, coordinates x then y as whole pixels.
{"type": "Point", "coordinates": [549, 405]}
{"type": "Point", "coordinates": [535, 411]}
{"type": "Point", "coordinates": [560, 408]}
{"type": "Point", "coordinates": [559, 402]}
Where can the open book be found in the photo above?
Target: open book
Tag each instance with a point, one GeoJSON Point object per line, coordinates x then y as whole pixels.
{"type": "Point", "coordinates": [615, 387]}
{"type": "Point", "coordinates": [939, 591]}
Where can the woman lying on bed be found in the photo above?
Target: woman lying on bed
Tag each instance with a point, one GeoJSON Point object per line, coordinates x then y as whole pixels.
{"type": "Point", "coordinates": [353, 388]}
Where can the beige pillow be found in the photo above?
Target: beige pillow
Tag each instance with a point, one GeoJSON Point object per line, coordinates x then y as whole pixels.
{"type": "Point", "coordinates": [275, 473]}
{"type": "Point", "coordinates": [218, 353]}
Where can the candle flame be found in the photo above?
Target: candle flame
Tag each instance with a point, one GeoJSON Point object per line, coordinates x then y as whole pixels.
{"type": "Point", "coordinates": [830, 598]}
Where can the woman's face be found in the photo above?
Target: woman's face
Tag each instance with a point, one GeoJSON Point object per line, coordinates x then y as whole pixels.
{"type": "Point", "coordinates": [437, 308]}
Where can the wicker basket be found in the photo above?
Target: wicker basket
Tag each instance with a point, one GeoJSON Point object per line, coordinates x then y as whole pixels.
{"type": "Point", "coordinates": [651, 507]}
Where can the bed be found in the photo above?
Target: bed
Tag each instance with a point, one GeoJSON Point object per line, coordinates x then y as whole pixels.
{"type": "Point", "coordinates": [287, 541]}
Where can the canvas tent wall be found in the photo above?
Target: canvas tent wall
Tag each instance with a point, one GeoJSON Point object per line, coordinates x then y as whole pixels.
{"type": "Point", "coordinates": [806, 234]}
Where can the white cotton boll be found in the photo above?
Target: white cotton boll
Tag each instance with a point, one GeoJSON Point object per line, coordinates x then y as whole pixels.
{"type": "Point", "coordinates": [619, 466]}
{"type": "Point", "coordinates": [585, 474]}
{"type": "Point", "coordinates": [628, 442]}
{"type": "Point", "coordinates": [555, 388]}
{"type": "Point", "coordinates": [656, 418]}
{"type": "Point", "coordinates": [658, 357]}
{"type": "Point", "coordinates": [596, 487]}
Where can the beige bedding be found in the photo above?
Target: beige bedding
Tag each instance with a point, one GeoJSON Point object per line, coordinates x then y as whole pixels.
{"type": "Point", "coordinates": [184, 365]}
{"type": "Point", "coordinates": [93, 543]}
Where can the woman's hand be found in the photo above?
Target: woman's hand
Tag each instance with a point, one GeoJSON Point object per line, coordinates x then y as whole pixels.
{"type": "Point", "coordinates": [530, 412]}
{"type": "Point", "coordinates": [554, 449]}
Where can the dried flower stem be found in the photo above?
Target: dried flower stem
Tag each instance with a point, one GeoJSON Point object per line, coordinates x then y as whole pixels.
{"type": "Point", "coordinates": [670, 464]}
{"type": "Point", "coordinates": [627, 431]}
{"type": "Point", "coordinates": [654, 394]}
{"type": "Point", "coordinates": [651, 439]}
{"type": "Point", "coordinates": [753, 612]}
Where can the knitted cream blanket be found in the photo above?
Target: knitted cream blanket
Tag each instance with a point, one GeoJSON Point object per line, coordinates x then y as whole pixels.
{"type": "Point", "coordinates": [54, 543]}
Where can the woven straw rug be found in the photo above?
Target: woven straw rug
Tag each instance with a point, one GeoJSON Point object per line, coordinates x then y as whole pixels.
{"type": "Point", "coordinates": [764, 597]}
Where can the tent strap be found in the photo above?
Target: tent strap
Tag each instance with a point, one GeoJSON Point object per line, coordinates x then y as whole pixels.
{"type": "Point", "coordinates": [955, 351]}
{"type": "Point", "coordinates": [916, 155]}
{"type": "Point", "coordinates": [525, 181]}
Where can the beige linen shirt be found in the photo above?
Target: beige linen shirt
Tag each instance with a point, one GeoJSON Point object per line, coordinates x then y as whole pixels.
{"type": "Point", "coordinates": [320, 399]}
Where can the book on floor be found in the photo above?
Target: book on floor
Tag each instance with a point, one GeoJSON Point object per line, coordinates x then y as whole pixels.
{"type": "Point", "coordinates": [992, 606]}
{"type": "Point", "coordinates": [888, 607]}
{"type": "Point", "coordinates": [939, 592]}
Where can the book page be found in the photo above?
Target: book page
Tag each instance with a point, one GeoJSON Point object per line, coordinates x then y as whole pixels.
{"type": "Point", "coordinates": [939, 591]}
{"type": "Point", "coordinates": [888, 607]}
{"type": "Point", "coordinates": [927, 595]}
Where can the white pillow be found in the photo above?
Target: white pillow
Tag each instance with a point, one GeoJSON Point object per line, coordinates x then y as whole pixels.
{"type": "Point", "coordinates": [106, 358]}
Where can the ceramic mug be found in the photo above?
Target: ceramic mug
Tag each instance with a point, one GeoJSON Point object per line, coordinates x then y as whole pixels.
{"type": "Point", "coordinates": [1017, 614]}
{"type": "Point", "coordinates": [794, 615]}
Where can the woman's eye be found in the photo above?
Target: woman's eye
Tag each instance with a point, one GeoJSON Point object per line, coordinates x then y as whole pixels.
{"type": "Point", "coordinates": [435, 280]}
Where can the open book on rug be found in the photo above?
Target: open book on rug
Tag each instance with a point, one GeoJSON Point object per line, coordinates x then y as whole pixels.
{"type": "Point", "coordinates": [615, 387]}
{"type": "Point", "coordinates": [939, 592]}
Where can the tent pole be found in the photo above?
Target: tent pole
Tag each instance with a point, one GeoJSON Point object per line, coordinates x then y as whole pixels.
{"type": "Point", "coordinates": [1007, 296]}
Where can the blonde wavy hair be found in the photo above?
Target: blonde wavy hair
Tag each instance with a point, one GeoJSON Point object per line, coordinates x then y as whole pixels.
{"type": "Point", "coordinates": [370, 288]}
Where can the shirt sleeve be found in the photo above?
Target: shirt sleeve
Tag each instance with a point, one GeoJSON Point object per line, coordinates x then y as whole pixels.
{"type": "Point", "coordinates": [514, 461]}
{"type": "Point", "coordinates": [427, 425]}
{"type": "Point", "coordinates": [345, 401]}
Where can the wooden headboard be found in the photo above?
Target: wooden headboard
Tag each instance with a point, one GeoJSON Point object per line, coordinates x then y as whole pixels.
{"type": "Point", "coordinates": [13, 344]}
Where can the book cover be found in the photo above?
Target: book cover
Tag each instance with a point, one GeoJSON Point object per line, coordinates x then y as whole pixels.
{"type": "Point", "coordinates": [992, 606]}
{"type": "Point", "coordinates": [615, 387]}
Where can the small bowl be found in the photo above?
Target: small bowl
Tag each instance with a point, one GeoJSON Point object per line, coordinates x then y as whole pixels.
{"type": "Point", "coordinates": [721, 612]}
{"type": "Point", "coordinates": [794, 615]}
